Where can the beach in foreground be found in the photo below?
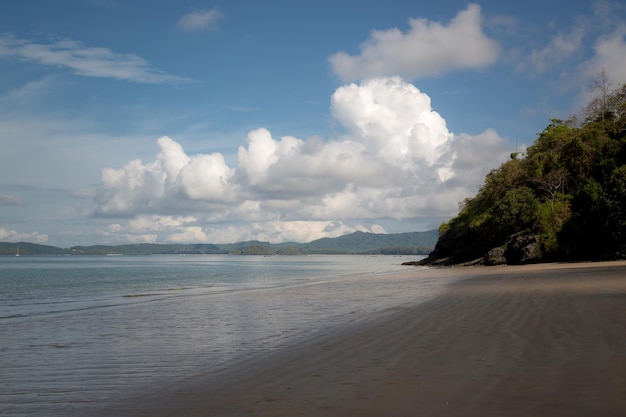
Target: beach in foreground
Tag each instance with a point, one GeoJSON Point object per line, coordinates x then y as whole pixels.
{"type": "Point", "coordinates": [538, 340]}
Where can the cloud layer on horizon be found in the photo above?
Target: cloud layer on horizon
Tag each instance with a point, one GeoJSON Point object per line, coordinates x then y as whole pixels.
{"type": "Point", "coordinates": [9, 235]}
{"type": "Point", "coordinates": [395, 159]}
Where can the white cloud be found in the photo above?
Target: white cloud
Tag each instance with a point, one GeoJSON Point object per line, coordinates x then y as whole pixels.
{"type": "Point", "coordinates": [561, 47]}
{"type": "Point", "coordinates": [427, 49]}
{"type": "Point", "coordinates": [200, 20]}
{"type": "Point", "coordinates": [393, 119]}
{"type": "Point", "coordinates": [207, 178]}
{"type": "Point", "coordinates": [85, 61]}
{"type": "Point", "coordinates": [262, 153]}
{"type": "Point", "coordinates": [469, 158]}
{"type": "Point", "coordinates": [133, 188]}
{"type": "Point", "coordinates": [593, 42]}
{"type": "Point", "coordinates": [610, 56]}
{"type": "Point", "coordinates": [7, 235]}
{"type": "Point", "coordinates": [395, 160]}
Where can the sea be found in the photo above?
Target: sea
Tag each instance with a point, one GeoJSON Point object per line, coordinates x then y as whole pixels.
{"type": "Point", "coordinates": [79, 332]}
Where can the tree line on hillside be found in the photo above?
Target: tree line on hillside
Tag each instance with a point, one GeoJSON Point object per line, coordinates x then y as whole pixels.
{"type": "Point", "coordinates": [565, 199]}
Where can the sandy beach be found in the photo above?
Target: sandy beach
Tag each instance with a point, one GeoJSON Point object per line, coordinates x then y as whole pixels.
{"type": "Point", "coordinates": [538, 340]}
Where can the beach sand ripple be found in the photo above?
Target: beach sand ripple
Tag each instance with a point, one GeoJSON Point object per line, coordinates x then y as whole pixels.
{"type": "Point", "coordinates": [540, 340]}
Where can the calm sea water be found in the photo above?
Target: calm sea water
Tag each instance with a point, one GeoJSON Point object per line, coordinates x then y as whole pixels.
{"type": "Point", "coordinates": [79, 332]}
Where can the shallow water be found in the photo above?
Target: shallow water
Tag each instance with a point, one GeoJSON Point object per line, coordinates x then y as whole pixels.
{"type": "Point", "coordinates": [79, 332]}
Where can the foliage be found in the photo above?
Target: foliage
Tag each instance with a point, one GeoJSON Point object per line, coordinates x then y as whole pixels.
{"type": "Point", "coordinates": [257, 250]}
{"type": "Point", "coordinates": [569, 190]}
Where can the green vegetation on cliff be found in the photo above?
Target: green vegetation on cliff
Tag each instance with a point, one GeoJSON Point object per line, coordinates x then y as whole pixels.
{"type": "Point", "coordinates": [564, 200]}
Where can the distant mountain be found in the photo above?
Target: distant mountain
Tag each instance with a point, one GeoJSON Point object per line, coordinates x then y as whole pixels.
{"type": "Point", "coordinates": [414, 243]}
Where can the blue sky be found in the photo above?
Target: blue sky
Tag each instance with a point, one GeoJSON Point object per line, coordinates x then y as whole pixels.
{"type": "Point", "coordinates": [201, 121]}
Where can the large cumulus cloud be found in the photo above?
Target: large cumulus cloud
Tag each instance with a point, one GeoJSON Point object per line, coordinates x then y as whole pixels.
{"type": "Point", "coordinates": [395, 159]}
{"type": "Point", "coordinates": [427, 49]}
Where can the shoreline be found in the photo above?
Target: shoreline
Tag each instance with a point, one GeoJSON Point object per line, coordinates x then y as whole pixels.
{"type": "Point", "coordinates": [541, 340]}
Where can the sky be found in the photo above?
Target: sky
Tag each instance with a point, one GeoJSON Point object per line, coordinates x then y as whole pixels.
{"type": "Point", "coordinates": [189, 121]}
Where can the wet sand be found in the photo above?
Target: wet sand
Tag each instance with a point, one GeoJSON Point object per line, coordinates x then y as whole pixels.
{"type": "Point", "coordinates": [539, 340]}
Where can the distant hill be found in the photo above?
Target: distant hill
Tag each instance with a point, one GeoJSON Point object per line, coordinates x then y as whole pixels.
{"type": "Point", "coordinates": [144, 249]}
{"type": "Point", "coordinates": [414, 243]}
{"type": "Point", "coordinates": [25, 248]}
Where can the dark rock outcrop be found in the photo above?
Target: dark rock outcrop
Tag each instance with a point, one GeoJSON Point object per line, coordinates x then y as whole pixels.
{"type": "Point", "coordinates": [518, 249]}
{"type": "Point", "coordinates": [496, 256]}
{"type": "Point", "coordinates": [524, 249]}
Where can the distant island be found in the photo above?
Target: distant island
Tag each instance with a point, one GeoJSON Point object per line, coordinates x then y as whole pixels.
{"type": "Point", "coordinates": [563, 200]}
{"type": "Point", "coordinates": [357, 243]}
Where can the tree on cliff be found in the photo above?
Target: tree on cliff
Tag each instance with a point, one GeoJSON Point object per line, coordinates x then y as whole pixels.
{"type": "Point", "coordinates": [566, 196]}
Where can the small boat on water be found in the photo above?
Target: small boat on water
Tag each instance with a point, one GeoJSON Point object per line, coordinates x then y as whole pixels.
{"type": "Point", "coordinates": [17, 253]}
